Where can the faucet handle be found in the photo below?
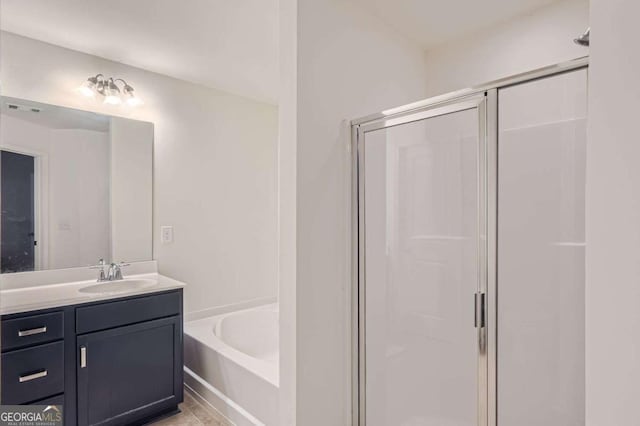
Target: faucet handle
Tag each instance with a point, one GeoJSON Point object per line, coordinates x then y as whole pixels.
{"type": "Point", "coordinates": [117, 272]}
{"type": "Point", "coordinates": [100, 265]}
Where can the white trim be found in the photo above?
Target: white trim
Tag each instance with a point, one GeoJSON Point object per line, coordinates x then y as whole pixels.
{"type": "Point", "coordinates": [217, 415]}
{"type": "Point", "coordinates": [218, 400]}
{"type": "Point", "coordinates": [41, 202]}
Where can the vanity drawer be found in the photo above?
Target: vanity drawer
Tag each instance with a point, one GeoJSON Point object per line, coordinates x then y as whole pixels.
{"type": "Point", "coordinates": [33, 373]}
{"type": "Point", "coordinates": [32, 330]}
{"type": "Point", "coordinates": [54, 400]}
{"type": "Point", "coordinates": [125, 312]}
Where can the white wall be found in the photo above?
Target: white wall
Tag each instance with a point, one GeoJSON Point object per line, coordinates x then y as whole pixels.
{"type": "Point", "coordinates": [348, 65]}
{"type": "Point", "coordinates": [75, 191]}
{"type": "Point", "coordinates": [543, 37]}
{"type": "Point", "coordinates": [613, 216]}
{"type": "Point", "coordinates": [214, 167]}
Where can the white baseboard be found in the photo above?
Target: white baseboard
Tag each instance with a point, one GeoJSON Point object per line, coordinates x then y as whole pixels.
{"type": "Point", "coordinates": [218, 401]}
{"type": "Point", "coordinates": [208, 407]}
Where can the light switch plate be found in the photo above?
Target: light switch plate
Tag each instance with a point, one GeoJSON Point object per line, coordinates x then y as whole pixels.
{"type": "Point", "coordinates": [166, 234]}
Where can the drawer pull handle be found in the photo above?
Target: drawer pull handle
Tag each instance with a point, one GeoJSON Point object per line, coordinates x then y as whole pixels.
{"type": "Point", "coordinates": [39, 330]}
{"type": "Point", "coordinates": [33, 376]}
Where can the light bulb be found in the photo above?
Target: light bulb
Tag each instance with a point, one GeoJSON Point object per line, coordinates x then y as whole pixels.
{"type": "Point", "coordinates": [112, 100]}
{"type": "Point", "coordinates": [133, 101]}
{"type": "Point", "coordinates": [88, 88]}
{"type": "Point", "coordinates": [112, 93]}
{"type": "Point", "coordinates": [85, 91]}
{"type": "Point", "coordinates": [130, 96]}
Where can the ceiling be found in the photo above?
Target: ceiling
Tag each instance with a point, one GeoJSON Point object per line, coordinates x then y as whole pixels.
{"type": "Point", "coordinates": [434, 22]}
{"type": "Point", "coordinates": [228, 45]}
{"type": "Point", "coordinates": [53, 117]}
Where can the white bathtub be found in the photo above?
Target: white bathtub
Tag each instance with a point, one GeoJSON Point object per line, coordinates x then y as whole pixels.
{"type": "Point", "coordinates": [231, 360]}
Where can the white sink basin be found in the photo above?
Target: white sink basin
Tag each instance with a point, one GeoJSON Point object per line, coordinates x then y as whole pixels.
{"type": "Point", "coordinates": [122, 286]}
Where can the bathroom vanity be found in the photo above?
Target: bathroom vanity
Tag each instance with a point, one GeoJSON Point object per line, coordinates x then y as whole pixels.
{"type": "Point", "coordinates": [76, 189]}
{"type": "Point", "coordinates": [109, 358]}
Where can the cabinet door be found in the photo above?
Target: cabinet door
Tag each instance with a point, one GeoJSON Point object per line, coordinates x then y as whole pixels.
{"type": "Point", "coordinates": [129, 373]}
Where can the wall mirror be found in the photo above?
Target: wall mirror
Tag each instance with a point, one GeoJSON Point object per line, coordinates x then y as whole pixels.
{"type": "Point", "coordinates": [75, 187]}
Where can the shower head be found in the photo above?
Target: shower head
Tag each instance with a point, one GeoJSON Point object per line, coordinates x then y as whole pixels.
{"type": "Point", "coordinates": [583, 40]}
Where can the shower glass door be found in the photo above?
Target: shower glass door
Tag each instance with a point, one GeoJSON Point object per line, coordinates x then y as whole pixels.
{"type": "Point", "coordinates": [422, 257]}
{"type": "Point", "coordinates": [541, 251]}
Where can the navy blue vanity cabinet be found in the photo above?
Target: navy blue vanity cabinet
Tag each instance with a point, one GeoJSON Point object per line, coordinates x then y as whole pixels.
{"type": "Point", "coordinates": [129, 373]}
{"type": "Point", "coordinates": [113, 362]}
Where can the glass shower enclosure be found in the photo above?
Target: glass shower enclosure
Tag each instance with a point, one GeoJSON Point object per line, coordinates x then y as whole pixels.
{"type": "Point", "coordinates": [469, 256]}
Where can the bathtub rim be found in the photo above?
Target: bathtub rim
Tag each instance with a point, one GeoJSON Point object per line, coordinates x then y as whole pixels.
{"type": "Point", "coordinates": [202, 331]}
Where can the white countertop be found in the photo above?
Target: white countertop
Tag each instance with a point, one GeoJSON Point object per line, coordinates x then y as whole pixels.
{"type": "Point", "coordinates": [48, 296]}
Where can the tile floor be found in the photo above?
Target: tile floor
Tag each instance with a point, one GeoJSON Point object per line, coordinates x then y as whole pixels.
{"type": "Point", "coordinates": [193, 414]}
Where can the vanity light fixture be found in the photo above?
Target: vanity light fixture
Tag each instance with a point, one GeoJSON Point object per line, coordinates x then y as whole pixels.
{"type": "Point", "coordinates": [111, 92]}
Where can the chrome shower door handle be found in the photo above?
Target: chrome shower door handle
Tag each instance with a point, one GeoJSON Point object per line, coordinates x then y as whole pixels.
{"type": "Point", "coordinates": [479, 319]}
{"type": "Point", "coordinates": [479, 301]}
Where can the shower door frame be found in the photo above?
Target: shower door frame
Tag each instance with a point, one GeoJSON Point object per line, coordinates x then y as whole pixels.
{"type": "Point", "coordinates": [485, 98]}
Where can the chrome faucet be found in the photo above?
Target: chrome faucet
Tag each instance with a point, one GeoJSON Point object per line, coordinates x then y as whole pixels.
{"type": "Point", "coordinates": [114, 273]}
